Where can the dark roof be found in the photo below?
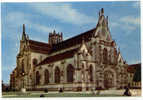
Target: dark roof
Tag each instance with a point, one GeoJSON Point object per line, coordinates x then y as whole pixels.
{"type": "Point", "coordinates": [73, 41]}
{"type": "Point", "coordinates": [39, 47]}
{"type": "Point", "coordinates": [132, 68]}
{"type": "Point", "coordinates": [61, 56]}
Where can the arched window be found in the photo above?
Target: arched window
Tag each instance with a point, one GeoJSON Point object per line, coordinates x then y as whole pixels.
{"type": "Point", "coordinates": [23, 66]}
{"type": "Point", "coordinates": [35, 61]}
{"type": "Point", "coordinates": [57, 75]}
{"type": "Point", "coordinates": [91, 73]}
{"type": "Point", "coordinates": [70, 73]}
{"type": "Point", "coordinates": [37, 78]}
{"type": "Point", "coordinates": [46, 76]}
{"type": "Point", "coordinates": [105, 55]}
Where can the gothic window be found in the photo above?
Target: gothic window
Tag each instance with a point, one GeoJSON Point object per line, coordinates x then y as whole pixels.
{"type": "Point", "coordinates": [35, 61]}
{"type": "Point", "coordinates": [91, 73]}
{"type": "Point", "coordinates": [46, 76]}
{"type": "Point", "coordinates": [37, 78]}
{"type": "Point", "coordinates": [105, 55]}
{"type": "Point", "coordinates": [70, 73]}
{"type": "Point", "coordinates": [57, 75]}
{"type": "Point", "coordinates": [23, 66]}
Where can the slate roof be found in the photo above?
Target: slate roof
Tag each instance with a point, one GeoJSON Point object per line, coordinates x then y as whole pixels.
{"type": "Point", "coordinates": [132, 68]}
{"type": "Point", "coordinates": [73, 41]}
{"type": "Point", "coordinates": [39, 47]}
{"type": "Point", "coordinates": [61, 56]}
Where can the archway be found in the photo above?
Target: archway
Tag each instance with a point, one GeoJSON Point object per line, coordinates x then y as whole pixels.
{"type": "Point", "coordinates": [109, 79]}
{"type": "Point", "coordinates": [37, 78]}
{"type": "Point", "coordinates": [57, 75]}
{"type": "Point", "coordinates": [70, 73]}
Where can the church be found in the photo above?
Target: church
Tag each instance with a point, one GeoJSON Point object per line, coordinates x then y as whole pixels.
{"type": "Point", "coordinates": [84, 62]}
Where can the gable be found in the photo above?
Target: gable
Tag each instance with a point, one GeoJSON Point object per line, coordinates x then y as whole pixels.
{"type": "Point", "coordinates": [102, 29]}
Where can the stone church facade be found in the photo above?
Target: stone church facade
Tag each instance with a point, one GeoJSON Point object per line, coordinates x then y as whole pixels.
{"type": "Point", "coordinates": [87, 61]}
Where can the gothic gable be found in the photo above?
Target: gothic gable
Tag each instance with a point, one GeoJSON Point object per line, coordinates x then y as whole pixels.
{"type": "Point", "coordinates": [102, 28]}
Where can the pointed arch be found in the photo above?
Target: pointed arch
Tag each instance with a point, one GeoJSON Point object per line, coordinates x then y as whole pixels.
{"type": "Point", "coordinates": [70, 73]}
{"type": "Point", "coordinates": [37, 78]}
{"type": "Point", "coordinates": [46, 76]}
{"type": "Point", "coordinates": [57, 75]}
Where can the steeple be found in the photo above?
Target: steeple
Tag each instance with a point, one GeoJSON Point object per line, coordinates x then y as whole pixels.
{"type": "Point", "coordinates": [23, 34]}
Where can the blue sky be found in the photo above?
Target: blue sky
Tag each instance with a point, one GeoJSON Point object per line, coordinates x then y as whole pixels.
{"type": "Point", "coordinates": [70, 18]}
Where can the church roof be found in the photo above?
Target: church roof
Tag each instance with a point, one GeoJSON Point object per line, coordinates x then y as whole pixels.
{"type": "Point", "coordinates": [73, 41]}
{"type": "Point", "coordinates": [39, 47]}
{"type": "Point", "coordinates": [132, 68]}
{"type": "Point", "coordinates": [61, 56]}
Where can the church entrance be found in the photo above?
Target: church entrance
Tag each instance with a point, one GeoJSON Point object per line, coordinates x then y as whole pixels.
{"type": "Point", "coordinates": [108, 79]}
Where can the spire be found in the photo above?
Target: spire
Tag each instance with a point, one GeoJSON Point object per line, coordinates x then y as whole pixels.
{"type": "Point", "coordinates": [102, 11]}
{"type": "Point", "coordinates": [23, 34]}
{"type": "Point", "coordinates": [23, 28]}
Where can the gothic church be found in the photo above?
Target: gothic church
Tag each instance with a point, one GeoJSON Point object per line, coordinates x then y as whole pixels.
{"type": "Point", "coordinates": [87, 61]}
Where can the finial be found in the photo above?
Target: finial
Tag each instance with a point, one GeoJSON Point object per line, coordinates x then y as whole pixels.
{"type": "Point", "coordinates": [23, 28]}
{"type": "Point", "coordinates": [102, 11]}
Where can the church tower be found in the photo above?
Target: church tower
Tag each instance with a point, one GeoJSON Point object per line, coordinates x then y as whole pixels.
{"type": "Point", "coordinates": [55, 38]}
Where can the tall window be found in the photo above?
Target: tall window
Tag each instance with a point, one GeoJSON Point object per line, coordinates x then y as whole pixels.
{"type": "Point", "coordinates": [70, 73]}
{"type": "Point", "coordinates": [46, 76]}
{"type": "Point", "coordinates": [105, 56]}
{"type": "Point", "coordinates": [57, 75]}
{"type": "Point", "coordinates": [23, 66]}
{"type": "Point", "coordinates": [91, 73]}
{"type": "Point", "coordinates": [37, 78]}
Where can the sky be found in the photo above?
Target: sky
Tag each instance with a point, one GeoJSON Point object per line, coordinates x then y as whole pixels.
{"type": "Point", "coordinates": [71, 18]}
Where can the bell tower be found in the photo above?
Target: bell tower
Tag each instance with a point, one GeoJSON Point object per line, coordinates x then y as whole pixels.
{"type": "Point", "coordinates": [55, 38]}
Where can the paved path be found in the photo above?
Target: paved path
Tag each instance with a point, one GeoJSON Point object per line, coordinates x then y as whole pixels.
{"type": "Point", "coordinates": [134, 92]}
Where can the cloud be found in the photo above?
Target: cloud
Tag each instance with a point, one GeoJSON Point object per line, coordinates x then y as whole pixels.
{"type": "Point", "coordinates": [44, 28]}
{"type": "Point", "coordinates": [63, 13]}
{"type": "Point", "coordinates": [130, 20]}
{"type": "Point", "coordinates": [126, 23]}
{"type": "Point", "coordinates": [14, 21]}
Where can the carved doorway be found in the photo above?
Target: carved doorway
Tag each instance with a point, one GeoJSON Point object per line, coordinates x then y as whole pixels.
{"type": "Point", "coordinates": [108, 79]}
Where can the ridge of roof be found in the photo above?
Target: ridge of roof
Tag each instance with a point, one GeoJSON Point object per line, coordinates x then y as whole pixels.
{"type": "Point", "coordinates": [73, 41]}
{"type": "Point", "coordinates": [39, 42]}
